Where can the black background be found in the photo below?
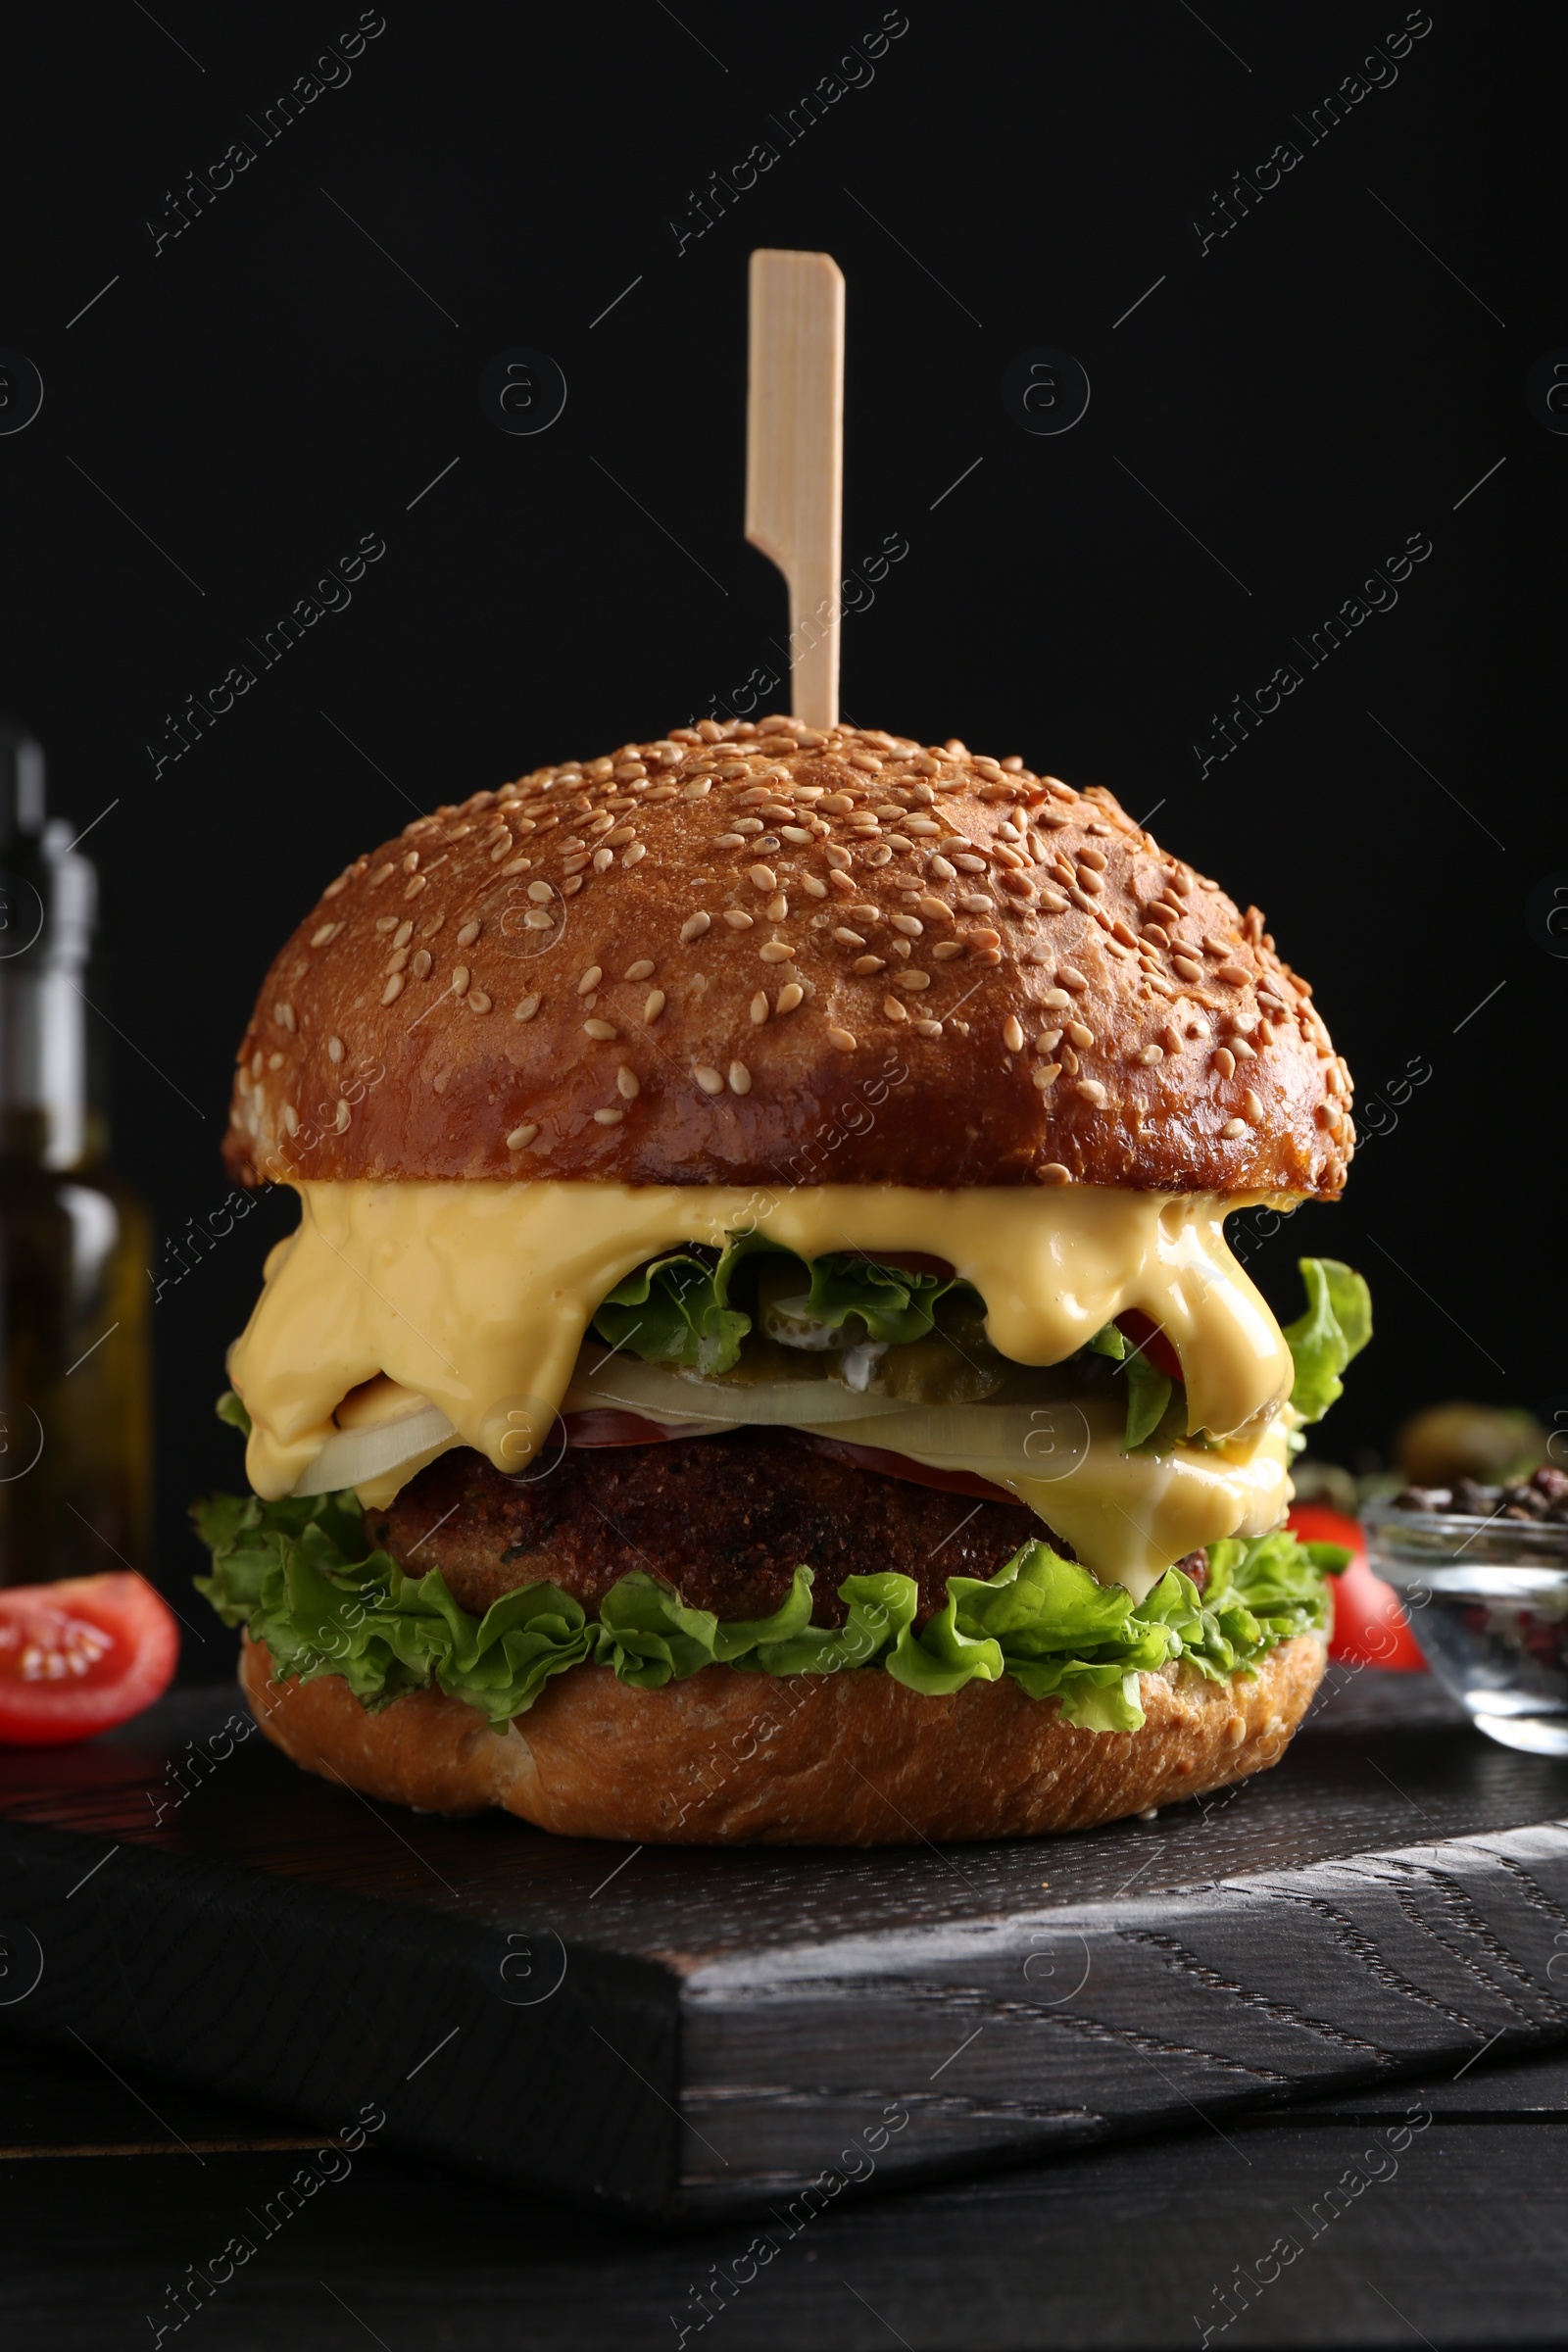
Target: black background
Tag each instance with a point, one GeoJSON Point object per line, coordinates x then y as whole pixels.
{"type": "Point", "coordinates": [1308, 393]}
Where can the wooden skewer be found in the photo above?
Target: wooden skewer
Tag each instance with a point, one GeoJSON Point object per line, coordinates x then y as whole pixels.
{"type": "Point", "coordinates": [795, 458]}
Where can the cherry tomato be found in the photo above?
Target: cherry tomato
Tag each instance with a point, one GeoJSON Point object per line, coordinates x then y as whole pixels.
{"type": "Point", "coordinates": [1370, 1626]}
{"type": "Point", "coordinates": [80, 1655]}
{"type": "Point", "coordinates": [1147, 1335]}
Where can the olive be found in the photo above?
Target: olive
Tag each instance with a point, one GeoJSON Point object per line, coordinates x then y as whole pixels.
{"type": "Point", "coordinates": [1490, 1444]}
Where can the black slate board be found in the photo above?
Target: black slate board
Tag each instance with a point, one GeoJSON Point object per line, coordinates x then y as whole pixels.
{"type": "Point", "coordinates": [681, 2033]}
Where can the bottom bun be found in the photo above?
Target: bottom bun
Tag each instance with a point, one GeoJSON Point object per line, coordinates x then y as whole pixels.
{"type": "Point", "coordinates": [850, 1759]}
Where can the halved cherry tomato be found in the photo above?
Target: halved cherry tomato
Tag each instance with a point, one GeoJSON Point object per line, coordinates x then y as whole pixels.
{"type": "Point", "coordinates": [1147, 1336]}
{"type": "Point", "coordinates": [79, 1656]}
{"type": "Point", "coordinates": [1370, 1626]}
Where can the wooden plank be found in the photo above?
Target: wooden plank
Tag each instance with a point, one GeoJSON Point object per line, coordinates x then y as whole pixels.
{"type": "Point", "coordinates": [795, 458]}
{"type": "Point", "coordinates": [678, 2031]}
{"type": "Point", "coordinates": [1461, 2241]}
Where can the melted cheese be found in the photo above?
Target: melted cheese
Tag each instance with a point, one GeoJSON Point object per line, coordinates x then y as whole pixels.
{"type": "Point", "coordinates": [474, 1297]}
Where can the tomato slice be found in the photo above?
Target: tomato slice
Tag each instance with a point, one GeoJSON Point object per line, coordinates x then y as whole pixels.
{"type": "Point", "coordinates": [79, 1656]}
{"type": "Point", "coordinates": [1147, 1336]}
{"type": "Point", "coordinates": [1370, 1626]}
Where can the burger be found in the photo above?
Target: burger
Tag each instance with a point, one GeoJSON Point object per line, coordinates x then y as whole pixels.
{"type": "Point", "coordinates": [760, 1358]}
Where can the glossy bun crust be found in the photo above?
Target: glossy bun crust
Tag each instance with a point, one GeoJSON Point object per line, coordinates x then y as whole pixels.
{"type": "Point", "coordinates": [760, 955]}
{"type": "Point", "coordinates": [814, 1759]}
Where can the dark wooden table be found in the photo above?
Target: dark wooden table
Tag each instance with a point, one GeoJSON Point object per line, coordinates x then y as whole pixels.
{"type": "Point", "coordinates": [1432, 2209]}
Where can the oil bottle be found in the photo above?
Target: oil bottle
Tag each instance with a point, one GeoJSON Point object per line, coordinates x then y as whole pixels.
{"type": "Point", "coordinates": [76, 1385]}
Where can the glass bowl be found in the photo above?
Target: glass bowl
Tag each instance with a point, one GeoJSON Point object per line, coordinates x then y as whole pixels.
{"type": "Point", "coordinates": [1487, 1597]}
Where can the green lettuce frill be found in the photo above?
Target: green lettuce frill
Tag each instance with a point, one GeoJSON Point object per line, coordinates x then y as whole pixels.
{"type": "Point", "coordinates": [297, 1575]}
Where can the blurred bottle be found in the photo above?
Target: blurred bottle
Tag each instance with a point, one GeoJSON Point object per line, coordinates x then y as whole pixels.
{"type": "Point", "coordinates": [75, 1374]}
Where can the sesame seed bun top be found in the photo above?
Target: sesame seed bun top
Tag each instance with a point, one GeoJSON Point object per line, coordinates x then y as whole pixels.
{"type": "Point", "coordinates": [760, 954]}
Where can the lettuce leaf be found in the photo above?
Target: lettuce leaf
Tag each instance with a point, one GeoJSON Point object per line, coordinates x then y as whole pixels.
{"type": "Point", "coordinates": [297, 1575]}
{"type": "Point", "coordinates": [1337, 1326]}
{"type": "Point", "coordinates": [1148, 1390]}
{"type": "Point", "coordinates": [673, 1311]}
{"type": "Point", "coordinates": [677, 1310]}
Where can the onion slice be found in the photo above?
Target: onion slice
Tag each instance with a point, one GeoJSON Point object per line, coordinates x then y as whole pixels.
{"type": "Point", "coordinates": [352, 1457]}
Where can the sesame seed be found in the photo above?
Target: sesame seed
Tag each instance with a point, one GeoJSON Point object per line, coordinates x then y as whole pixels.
{"type": "Point", "coordinates": [344, 1115]}
{"type": "Point", "coordinates": [789, 995]}
{"type": "Point", "coordinates": [635, 855]}
{"type": "Point", "coordinates": [421, 964]}
{"type": "Point", "coordinates": [1251, 1108]}
{"type": "Point", "coordinates": [1186, 967]}
{"type": "Point", "coordinates": [1092, 1091]}
{"type": "Point", "coordinates": [1232, 1129]}
{"type": "Point", "coordinates": [763, 877]}
{"type": "Point", "coordinates": [396, 961]}
{"type": "Point", "coordinates": [1224, 1061]}
{"type": "Point", "coordinates": [415, 886]}
{"type": "Point", "coordinates": [693, 928]}
{"type": "Point", "coordinates": [478, 1001]}
{"type": "Point", "coordinates": [334, 1051]}
{"type": "Point", "coordinates": [708, 1079]}
{"type": "Point", "coordinates": [540, 892]}
{"type": "Point", "coordinates": [933, 1028]}
{"type": "Point", "coordinates": [642, 969]}
{"type": "Point", "coordinates": [381, 874]}
{"type": "Point", "coordinates": [944, 870]}
{"type": "Point", "coordinates": [604, 859]}
{"type": "Point", "coordinates": [589, 981]}
{"type": "Point", "coordinates": [460, 980]}
{"type": "Point", "coordinates": [537, 919]}
{"type": "Point", "coordinates": [1095, 859]}
{"type": "Point", "coordinates": [945, 948]}
{"type": "Point", "coordinates": [602, 1030]}
{"type": "Point", "coordinates": [1045, 1074]}
{"type": "Point", "coordinates": [738, 919]}
{"type": "Point", "coordinates": [848, 938]}
{"type": "Point", "coordinates": [868, 964]}
{"type": "Point", "coordinates": [1170, 1037]}
{"type": "Point", "coordinates": [844, 1039]}
{"type": "Point", "coordinates": [777, 907]}
{"type": "Point", "coordinates": [274, 1061]}
{"type": "Point", "coordinates": [1081, 1037]}
{"type": "Point", "coordinates": [291, 1119]}
{"type": "Point", "coordinates": [909, 924]}
{"type": "Point", "coordinates": [1066, 977]}
{"type": "Point", "coordinates": [608, 1118]}
{"type": "Point", "coordinates": [1013, 1035]}
{"type": "Point", "coordinates": [525, 1009]}
{"type": "Point", "coordinates": [393, 989]}
{"type": "Point", "coordinates": [740, 1078]}
{"type": "Point", "coordinates": [1234, 975]}
{"type": "Point", "coordinates": [653, 1006]}
{"type": "Point", "coordinates": [318, 939]}
{"type": "Point", "coordinates": [760, 1008]}
{"type": "Point", "coordinates": [777, 951]}
{"type": "Point", "coordinates": [975, 901]}
{"type": "Point", "coordinates": [812, 887]}
{"type": "Point", "coordinates": [521, 1138]}
{"type": "Point", "coordinates": [894, 1010]}
{"type": "Point", "coordinates": [1049, 1040]}
{"type": "Point", "coordinates": [912, 980]}
{"type": "Point", "coordinates": [1151, 1054]}
{"type": "Point", "coordinates": [1054, 1173]}
{"type": "Point", "coordinates": [698, 789]}
{"type": "Point", "coordinates": [837, 857]}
